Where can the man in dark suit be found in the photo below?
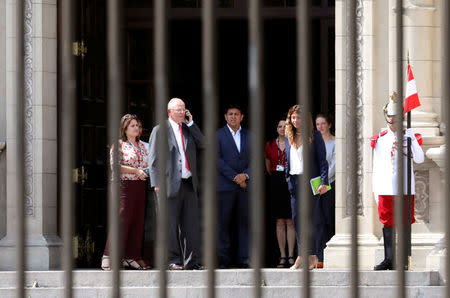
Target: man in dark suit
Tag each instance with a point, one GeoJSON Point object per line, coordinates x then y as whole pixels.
{"type": "Point", "coordinates": [184, 138]}
{"type": "Point", "coordinates": [233, 174]}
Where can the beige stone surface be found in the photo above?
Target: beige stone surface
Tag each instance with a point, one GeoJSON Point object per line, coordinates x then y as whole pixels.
{"type": "Point", "coordinates": [42, 242]}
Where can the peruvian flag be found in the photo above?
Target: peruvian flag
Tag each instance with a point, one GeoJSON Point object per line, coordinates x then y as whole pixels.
{"type": "Point", "coordinates": [411, 95]}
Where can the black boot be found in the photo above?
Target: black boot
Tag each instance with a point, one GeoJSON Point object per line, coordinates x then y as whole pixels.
{"type": "Point", "coordinates": [387, 264]}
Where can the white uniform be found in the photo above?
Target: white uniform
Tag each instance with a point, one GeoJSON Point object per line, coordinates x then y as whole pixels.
{"type": "Point", "coordinates": [385, 153]}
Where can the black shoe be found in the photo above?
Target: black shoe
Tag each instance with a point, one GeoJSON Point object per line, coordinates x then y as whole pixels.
{"type": "Point", "coordinates": [243, 265]}
{"type": "Point", "coordinates": [385, 265]}
{"type": "Point", "coordinates": [195, 267]}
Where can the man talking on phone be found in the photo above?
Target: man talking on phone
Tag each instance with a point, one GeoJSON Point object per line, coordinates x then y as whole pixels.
{"type": "Point", "coordinates": [184, 138]}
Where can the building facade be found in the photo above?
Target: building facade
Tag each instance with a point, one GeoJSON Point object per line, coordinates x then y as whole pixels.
{"type": "Point", "coordinates": [376, 77]}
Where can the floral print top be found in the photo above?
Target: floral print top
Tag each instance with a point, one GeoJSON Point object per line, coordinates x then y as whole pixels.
{"type": "Point", "coordinates": [130, 155]}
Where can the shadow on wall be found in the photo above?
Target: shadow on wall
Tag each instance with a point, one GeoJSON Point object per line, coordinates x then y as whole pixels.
{"type": "Point", "coordinates": [2, 187]}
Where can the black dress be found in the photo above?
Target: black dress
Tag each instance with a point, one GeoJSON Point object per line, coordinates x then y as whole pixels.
{"type": "Point", "coordinates": [279, 192]}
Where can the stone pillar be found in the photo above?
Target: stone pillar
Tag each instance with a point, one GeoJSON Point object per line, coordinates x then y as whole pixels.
{"type": "Point", "coordinates": [337, 253]}
{"type": "Point", "coordinates": [2, 118]}
{"type": "Point", "coordinates": [421, 28]}
{"type": "Point", "coordinates": [42, 242]}
{"type": "Point", "coordinates": [436, 257]}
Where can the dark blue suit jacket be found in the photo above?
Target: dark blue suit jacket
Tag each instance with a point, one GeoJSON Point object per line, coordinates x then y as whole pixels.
{"type": "Point", "coordinates": [318, 153]}
{"type": "Point", "coordinates": [230, 161]}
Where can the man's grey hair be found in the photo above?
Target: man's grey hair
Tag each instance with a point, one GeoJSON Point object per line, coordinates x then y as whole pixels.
{"type": "Point", "coordinates": [173, 102]}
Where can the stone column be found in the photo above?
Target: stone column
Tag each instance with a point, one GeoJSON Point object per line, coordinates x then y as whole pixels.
{"type": "Point", "coordinates": [2, 118]}
{"type": "Point", "coordinates": [337, 253]}
{"type": "Point", "coordinates": [42, 242]}
{"type": "Point", "coordinates": [421, 27]}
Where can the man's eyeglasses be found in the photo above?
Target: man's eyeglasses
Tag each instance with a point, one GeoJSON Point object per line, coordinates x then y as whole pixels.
{"type": "Point", "coordinates": [179, 110]}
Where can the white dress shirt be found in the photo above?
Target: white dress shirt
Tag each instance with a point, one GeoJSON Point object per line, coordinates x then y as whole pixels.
{"type": "Point", "coordinates": [236, 137]}
{"type": "Point", "coordinates": [296, 161]}
{"type": "Point", "coordinates": [185, 173]}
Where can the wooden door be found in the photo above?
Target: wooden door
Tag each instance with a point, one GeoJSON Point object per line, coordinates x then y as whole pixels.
{"type": "Point", "coordinates": [93, 150]}
{"type": "Point", "coordinates": [91, 208]}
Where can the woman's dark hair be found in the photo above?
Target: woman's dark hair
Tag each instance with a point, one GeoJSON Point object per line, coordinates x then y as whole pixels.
{"type": "Point", "coordinates": [329, 119]}
{"type": "Point", "coordinates": [124, 123]}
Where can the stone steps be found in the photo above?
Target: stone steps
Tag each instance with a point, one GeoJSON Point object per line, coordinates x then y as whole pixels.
{"type": "Point", "coordinates": [229, 283]}
{"type": "Point", "coordinates": [232, 291]}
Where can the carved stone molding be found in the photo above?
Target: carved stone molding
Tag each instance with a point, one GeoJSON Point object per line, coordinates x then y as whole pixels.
{"type": "Point", "coordinates": [28, 93]}
{"type": "Point", "coordinates": [358, 110]}
{"type": "Point", "coordinates": [422, 197]}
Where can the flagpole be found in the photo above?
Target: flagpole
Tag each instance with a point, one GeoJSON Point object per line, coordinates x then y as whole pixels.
{"type": "Point", "coordinates": [408, 229]}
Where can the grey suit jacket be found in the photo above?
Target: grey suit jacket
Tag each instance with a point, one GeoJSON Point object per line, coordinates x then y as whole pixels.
{"type": "Point", "coordinates": [193, 139]}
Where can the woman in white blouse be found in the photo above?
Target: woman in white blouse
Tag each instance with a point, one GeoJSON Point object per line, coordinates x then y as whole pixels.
{"type": "Point", "coordinates": [315, 151]}
{"type": "Point", "coordinates": [327, 203]}
{"type": "Point", "coordinates": [133, 159]}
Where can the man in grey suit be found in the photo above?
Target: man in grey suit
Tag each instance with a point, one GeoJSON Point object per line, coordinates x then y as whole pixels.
{"type": "Point", "coordinates": [184, 138]}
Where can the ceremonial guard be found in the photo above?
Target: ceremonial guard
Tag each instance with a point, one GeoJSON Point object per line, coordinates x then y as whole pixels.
{"type": "Point", "coordinates": [385, 176]}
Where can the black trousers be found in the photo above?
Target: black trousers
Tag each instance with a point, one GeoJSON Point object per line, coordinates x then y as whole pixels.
{"type": "Point", "coordinates": [229, 202]}
{"type": "Point", "coordinates": [315, 217]}
{"type": "Point", "coordinates": [327, 207]}
{"type": "Point", "coordinates": [184, 227]}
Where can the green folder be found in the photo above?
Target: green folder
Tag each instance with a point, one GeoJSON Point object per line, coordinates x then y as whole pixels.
{"type": "Point", "coordinates": [315, 183]}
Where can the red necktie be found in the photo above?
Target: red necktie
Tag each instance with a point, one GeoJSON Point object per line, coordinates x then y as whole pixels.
{"type": "Point", "coordinates": [184, 149]}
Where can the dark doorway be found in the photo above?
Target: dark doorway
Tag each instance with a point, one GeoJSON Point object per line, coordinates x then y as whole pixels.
{"type": "Point", "coordinates": [185, 82]}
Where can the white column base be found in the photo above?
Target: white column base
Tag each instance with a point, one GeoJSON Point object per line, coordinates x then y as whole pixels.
{"type": "Point", "coordinates": [42, 252]}
{"type": "Point", "coordinates": [435, 259]}
{"type": "Point", "coordinates": [338, 252]}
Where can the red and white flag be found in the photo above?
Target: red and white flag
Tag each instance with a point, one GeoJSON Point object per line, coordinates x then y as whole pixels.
{"type": "Point", "coordinates": [411, 95]}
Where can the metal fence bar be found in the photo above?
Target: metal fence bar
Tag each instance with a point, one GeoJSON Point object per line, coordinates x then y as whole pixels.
{"type": "Point", "coordinates": [255, 66]}
{"type": "Point", "coordinates": [352, 150]}
{"type": "Point", "coordinates": [115, 95]}
{"type": "Point", "coordinates": [68, 106]}
{"type": "Point", "coordinates": [304, 99]}
{"type": "Point", "coordinates": [446, 116]}
{"type": "Point", "coordinates": [161, 93]}
{"type": "Point", "coordinates": [399, 200]}
{"type": "Point", "coordinates": [210, 121]}
{"type": "Point", "coordinates": [20, 152]}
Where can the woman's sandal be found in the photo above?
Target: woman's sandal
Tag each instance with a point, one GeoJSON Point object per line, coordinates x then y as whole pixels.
{"type": "Point", "coordinates": [106, 263]}
{"type": "Point", "coordinates": [313, 260]}
{"type": "Point", "coordinates": [143, 264]}
{"type": "Point", "coordinates": [131, 265]}
{"type": "Point", "coordinates": [297, 264]}
{"type": "Point", "coordinates": [282, 262]}
{"type": "Point", "coordinates": [291, 260]}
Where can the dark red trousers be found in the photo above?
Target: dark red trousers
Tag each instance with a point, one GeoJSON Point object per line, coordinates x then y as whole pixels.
{"type": "Point", "coordinates": [131, 212]}
{"type": "Point", "coordinates": [386, 210]}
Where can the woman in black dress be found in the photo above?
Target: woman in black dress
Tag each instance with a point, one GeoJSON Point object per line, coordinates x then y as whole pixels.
{"type": "Point", "coordinates": [275, 163]}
